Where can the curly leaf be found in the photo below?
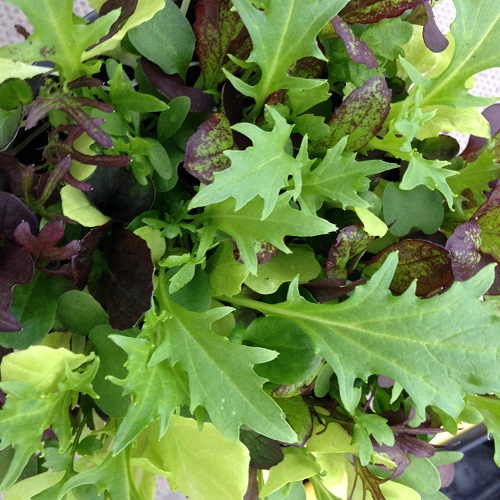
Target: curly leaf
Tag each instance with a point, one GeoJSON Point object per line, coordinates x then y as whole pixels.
{"type": "Point", "coordinates": [405, 338]}
{"type": "Point", "coordinates": [282, 33]}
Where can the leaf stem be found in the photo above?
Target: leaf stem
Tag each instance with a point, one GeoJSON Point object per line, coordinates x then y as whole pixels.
{"type": "Point", "coordinates": [251, 304]}
{"type": "Point", "coordinates": [185, 6]}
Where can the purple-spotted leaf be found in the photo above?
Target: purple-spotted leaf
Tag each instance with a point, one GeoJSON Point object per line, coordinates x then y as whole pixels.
{"type": "Point", "coordinates": [204, 149]}
{"type": "Point", "coordinates": [264, 251]}
{"type": "Point", "coordinates": [420, 260]}
{"type": "Point", "coordinates": [351, 241]}
{"type": "Point", "coordinates": [357, 49]}
{"type": "Point", "coordinates": [463, 246]}
{"type": "Point", "coordinates": [126, 286]}
{"type": "Point", "coordinates": [172, 86]}
{"type": "Point", "coordinates": [219, 31]}
{"type": "Point", "coordinates": [43, 246]}
{"type": "Point", "coordinates": [373, 11]}
{"type": "Point", "coordinates": [360, 116]}
{"type": "Point", "coordinates": [12, 212]}
{"type": "Point", "coordinates": [433, 37]}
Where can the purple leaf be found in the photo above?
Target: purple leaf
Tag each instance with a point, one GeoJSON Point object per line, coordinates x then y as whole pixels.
{"type": "Point", "coordinates": [43, 246]}
{"type": "Point", "coordinates": [172, 86]}
{"type": "Point", "coordinates": [234, 104]}
{"type": "Point", "coordinates": [204, 149]}
{"type": "Point", "coordinates": [12, 212]}
{"type": "Point", "coordinates": [420, 260]}
{"type": "Point", "coordinates": [360, 116]}
{"type": "Point", "coordinates": [463, 246]}
{"type": "Point", "coordinates": [125, 288]}
{"type": "Point", "coordinates": [18, 176]}
{"type": "Point", "coordinates": [475, 144]}
{"type": "Point", "coordinates": [357, 49]}
{"type": "Point", "coordinates": [446, 474]}
{"type": "Point", "coordinates": [373, 11]}
{"type": "Point", "coordinates": [351, 241]}
{"type": "Point", "coordinates": [85, 81]}
{"type": "Point", "coordinates": [219, 31]}
{"type": "Point", "coordinates": [127, 9]}
{"type": "Point", "coordinates": [327, 289]}
{"type": "Point", "coordinates": [82, 262]}
{"type": "Point", "coordinates": [433, 37]}
{"type": "Point", "coordinates": [8, 323]}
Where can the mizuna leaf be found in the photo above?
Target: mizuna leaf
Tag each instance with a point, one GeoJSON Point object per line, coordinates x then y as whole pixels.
{"type": "Point", "coordinates": [157, 391]}
{"type": "Point", "coordinates": [204, 149]}
{"type": "Point", "coordinates": [281, 34]}
{"type": "Point", "coordinates": [339, 178]}
{"type": "Point", "coordinates": [219, 31]}
{"type": "Point", "coordinates": [372, 11]}
{"type": "Point", "coordinates": [246, 227]}
{"type": "Point", "coordinates": [476, 31]}
{"type": "Point", "coordinates": [221, 374]}
{"type": "Point", "coordinates": [405, 338]}
{"type": "Point", "coordinates": [261, 170]}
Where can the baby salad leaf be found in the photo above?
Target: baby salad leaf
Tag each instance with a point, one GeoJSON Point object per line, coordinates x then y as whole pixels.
{"type": "Point", "coordinates": [31, 406]}
{"type": "Point", "coordinates": [476, 31]}
{"type": "Point", "coordinates": [221, 374]}
{"type": "Point", "coordinates": [219, 31]}
{"type": "Point", "coordinates": [339, 178]}
{"type": "Point", "coordinates": [59, 36]}
{"type": "Point", "coordinates": [261, 170]}
{"type": "Point", "coordinates": [281, 34]}
{"type": "Point", "coordinates": [372, 11]}
{"type": "Point", "coordinates": [246, 227]}
{"type": "Point", "coordinates": [405, 338]}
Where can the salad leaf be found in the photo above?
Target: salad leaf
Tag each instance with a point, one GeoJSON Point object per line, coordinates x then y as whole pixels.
{"type": "Point", "coordinates": [372, 11]}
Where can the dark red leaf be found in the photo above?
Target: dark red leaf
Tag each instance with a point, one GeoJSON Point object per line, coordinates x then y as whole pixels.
{"type": "Point", "coordinates": [43, 246]}
{"type": "Point", "coordinates": [463, 246]}
{"type": "Point", "coordinates": [82, 262]}
{"type": "Point", "coordinates": [446, 474]}
{"type": "Point", "coordinates": [219, 31]}
{"type": "Point", "coordinates": [172, 86]}
{"type": "Point", "coordinates": [125, 288]}
{"type": "Point", "coordinates": [351, 241]}
{"type": "Point", "coordinates": [433, 37]}
{"type": "Point", "coordinates": [373, 11]}
{"type": "Point", "coordinates": [420, 260]}
{"type": "Point", "coordinates": [328, 289]}
{"type": "Point", "coordinates": [204, 149]}
{"type": "Point", "coordinates": [16, 174]}
{"type": "Point", "coordinates": [234, 105]}
{"type": "Point", "coordinates": [12, 212]}
{"type": "Point", "coordinates": [357, 49]}
{"type": "Point", "coordinates": [127, 9]}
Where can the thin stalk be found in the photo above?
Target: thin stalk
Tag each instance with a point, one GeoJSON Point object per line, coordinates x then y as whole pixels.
{"type": "Point", "coordinates": [185, 6]}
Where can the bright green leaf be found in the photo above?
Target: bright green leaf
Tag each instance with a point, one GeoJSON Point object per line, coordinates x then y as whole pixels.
{"type": "Point", "coordinates": [77, 207]}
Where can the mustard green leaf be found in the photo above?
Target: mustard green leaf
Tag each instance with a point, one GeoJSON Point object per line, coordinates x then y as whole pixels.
{"type": "Point", "coordinates": [339, 178]}
{"type": "Point", "coordinates": [246, 227]}
{"type": "Point", "coordinates": [476, 31]}
{"type": "Point", "coordinates": [261, 170]}
{"type": "Point", "coordinates": [281, 34]}
{"type": "Point", "coordinates": [405, 338]}
{"type": "Point", "coordinates": [221, 374]}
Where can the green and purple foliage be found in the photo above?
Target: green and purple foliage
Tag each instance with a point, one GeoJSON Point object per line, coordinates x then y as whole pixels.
{"type": "Point", "coordinates": [235, 236]}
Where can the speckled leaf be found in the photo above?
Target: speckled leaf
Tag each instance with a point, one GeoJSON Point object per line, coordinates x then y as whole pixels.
{"type": "Point", "coordinates": [372, 11]}
{"type": "Point", "coordinates": [219, 31]}
{"type": "Point", "coordinates": [351, 241]}
{"type": "Point", "coordinates": [463, 246]}
{"type": "Point", "coordinates": [361, 114]}
{"type": "Point", "coordinates": [204, 149]}
{"type": "Point", "coordinates": [419, 260]}
{"type": "Point", "coordinates": [357, 49]}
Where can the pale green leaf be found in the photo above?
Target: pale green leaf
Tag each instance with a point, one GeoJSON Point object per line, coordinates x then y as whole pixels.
{"type": "Point", "coordinates": [283, 268]}
{"type": "Point", "coordinates": [40, 366]}
{"type": "Point", "coordinates": [371, 223]}
{"type": "Point", "coordinates": [405, 338]}
{"type": "Point", "coordinates": [18, 69]}
{"type": "Point", "coordinates": [282, 33]}
{"type": "Point", "coordinates": [476, 31]}
{"type": "Point", "coordinates": [246, 227]}
{"type": "Point", "coordinates": [144, 11]}
{"type": "Point", "coordinates": [339, 178]}
{"type": "Point", "coordinates": [77, 207]}
{"type": "Point", "coordinates": [202, 463]}
{"type": "Point", "coordinates": [31, 486]}
{"type": "Point", "coordinates": [59, 36]}
{"type": "Point", "coordinates": [221, 375]}
{"type": "Point", "coordinates": [297, 465]}
{"type": "Point", "coordinates": [261, 170]}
